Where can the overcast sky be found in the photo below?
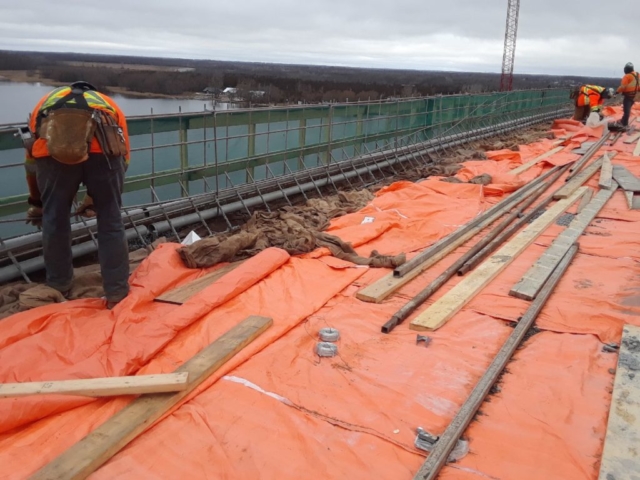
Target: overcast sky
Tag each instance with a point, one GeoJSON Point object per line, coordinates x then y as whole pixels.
{"type": "Point", "coordinates": [585, 37]}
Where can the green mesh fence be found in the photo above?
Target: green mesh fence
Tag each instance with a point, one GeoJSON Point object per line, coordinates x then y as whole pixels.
{"type": "Point", "coordinates": [208, 151]}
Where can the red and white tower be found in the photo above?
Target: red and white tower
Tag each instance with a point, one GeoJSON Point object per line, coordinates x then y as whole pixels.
{"type": "Point", "coordinates": [510, 37]}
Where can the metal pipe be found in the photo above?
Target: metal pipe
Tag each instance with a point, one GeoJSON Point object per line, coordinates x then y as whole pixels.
{"type": "Point", "coordinates": [35, 264]}
{"type": "Point", "coordinates": [525, 200]}
{"type": "Point", "coordinates": [573, 171]}
{"type": "Point", "coordinates": [442, 243]}
{"type": "Point", "coordinates": [447, 442]}
{"type": "Point", "coordinates": [501, 229]}
{"type": "Point", "coordinates": [507, 233]}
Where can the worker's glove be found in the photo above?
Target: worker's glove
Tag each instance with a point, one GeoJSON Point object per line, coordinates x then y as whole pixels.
{"type": "Point", "coordinates": [86, 208]}
{"type": "Point", "coordinates": [34, 216]}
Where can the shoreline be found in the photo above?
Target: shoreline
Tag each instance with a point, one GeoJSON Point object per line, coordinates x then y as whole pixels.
{"type": "Point", "coordinates": [22, 76]}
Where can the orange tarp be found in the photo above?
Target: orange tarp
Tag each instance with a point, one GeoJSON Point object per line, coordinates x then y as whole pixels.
{"type": "Point", "coordinates": [277, 410]}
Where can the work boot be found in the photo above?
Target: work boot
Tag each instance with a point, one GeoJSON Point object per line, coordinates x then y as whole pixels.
{"type": "Point", "coordinates": [112, 303]}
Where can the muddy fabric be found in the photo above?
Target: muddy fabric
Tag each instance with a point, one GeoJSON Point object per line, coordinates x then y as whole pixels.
{"type": "Point", "coordinates": [214, 250]}
{"type": "Point", "coordinates": [484, 179]}
{"type": "Point", "coordinates": [344, 251]}
{"type": "Point", "coordinates": [87, 283]}
{"type": "Point", "coordinates": [297, 230]}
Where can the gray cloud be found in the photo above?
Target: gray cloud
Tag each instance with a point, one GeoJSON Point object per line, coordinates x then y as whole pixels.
{"type": "Point", "coordinates": [570, 37]}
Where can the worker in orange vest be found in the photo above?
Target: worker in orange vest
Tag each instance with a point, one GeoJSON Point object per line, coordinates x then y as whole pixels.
{"type": "Point", "coordinates": [589, 99]}
{"type": "Point", "coordinates": [629, 88]}
{"type": "Point", "coordinates": [78, 135]}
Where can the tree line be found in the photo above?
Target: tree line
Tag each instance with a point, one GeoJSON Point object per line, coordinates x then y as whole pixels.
{"type": "Point", "coordinates": [280, 83]}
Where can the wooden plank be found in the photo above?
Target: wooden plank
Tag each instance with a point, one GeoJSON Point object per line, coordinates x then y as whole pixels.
{"type": "Point", "coordinates": [621, 455]}
{"type": "Point", "coordinates": [629, 197]}
{"type": "Point", "coordinates": [532, 282]}
{"type": "Point", "coordinates": [577, 167]}
{"type": "Point", "coordinates": [451, 303]}
{"type": "Point", "coordinates": [584, 148]}
{"type": "Point", "coordinates": [526, 166]}
{"type": "Point", "coordinates": [389, 284]}
{"type": "Point", "coordinates": [626, 179]}
{"type": "Point", "coordinates": [448, 440]}
{"type": "Point", "coordinates": [586, 198]}
{"type": "Point", "coordinates": [606, 172]}
{"type": "Point", "coordinates": [632, 138]}
{"type": "Point", "coordinates": [183, 293]}
{"type": "Point", "coordinates": [513, 199]}
{"type": "Point", "coordinates": [99, 387]}
{"type": "Point", "coordinates": [570, 187]}
{"type": "Point", "coordinates": [86, 456]}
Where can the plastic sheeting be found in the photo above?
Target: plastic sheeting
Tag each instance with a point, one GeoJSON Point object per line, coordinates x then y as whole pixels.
{"type": "Point", "coordinates": [277, 410]}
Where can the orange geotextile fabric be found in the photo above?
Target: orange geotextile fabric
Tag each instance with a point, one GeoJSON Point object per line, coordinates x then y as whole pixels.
{"type": "Point", "coordinates": [278, 411]}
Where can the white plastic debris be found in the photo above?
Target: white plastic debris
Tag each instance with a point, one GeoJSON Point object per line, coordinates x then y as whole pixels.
{"type": "Point", "coordinates": [192, 238]}
{"type": "Point", "coordinates": [368, 220]}
{"type": "Point", "coordinates": [594, 120]}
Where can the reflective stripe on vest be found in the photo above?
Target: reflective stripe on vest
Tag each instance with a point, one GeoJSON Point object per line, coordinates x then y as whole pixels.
{"type": "Point", "coordinates": [94, 99]}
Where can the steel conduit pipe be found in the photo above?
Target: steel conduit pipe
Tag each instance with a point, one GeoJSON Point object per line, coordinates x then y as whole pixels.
{"type": "Point", "coordinates": [79, 229]}
{"type": "Point", "coordinates": [11, 272]}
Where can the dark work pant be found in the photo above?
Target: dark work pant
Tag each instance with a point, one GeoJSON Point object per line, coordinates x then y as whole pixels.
{"type": "Point", "coordinates": [581, 113]}
{"type": "Point", "coordinates": [627, 105]}
{"type": "Point", "coordinates": [58, 184]}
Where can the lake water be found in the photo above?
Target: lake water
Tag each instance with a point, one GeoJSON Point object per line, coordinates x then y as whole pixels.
{"type": "Point", "coordinates": [18, 99]}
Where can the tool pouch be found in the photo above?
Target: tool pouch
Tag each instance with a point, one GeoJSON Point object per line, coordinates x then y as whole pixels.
{"type": "Point", "coordinates": [68, 132]}
{"type": "Point", "coordinates": [110, 136]}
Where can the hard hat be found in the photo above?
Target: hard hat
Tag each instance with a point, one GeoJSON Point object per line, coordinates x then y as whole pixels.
{"type": "Point", "coordinates": [628, 68]}
{"type": "Point", "coordinates": [82, 85]}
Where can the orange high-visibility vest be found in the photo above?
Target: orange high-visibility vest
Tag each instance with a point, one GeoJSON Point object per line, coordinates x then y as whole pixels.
{"type": "Point", "coordinates": [630, 85]}
{"type": "Point", "coordinates": [590, 96]}
{"type": "Point", "coordinates": [94, 100]}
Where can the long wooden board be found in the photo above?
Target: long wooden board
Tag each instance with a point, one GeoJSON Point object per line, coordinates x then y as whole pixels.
{"type": "Point", "coordinates": [578, 180]}
{"type": "Point", "coordinates": [183, 293]}
{"type": "Point", "coordinates": [456, 298]}
{"type": "Point", "coordinates": [503, 205]}
{"type": "Point", "coordinates": [629, 197]}
{"type": "Point", "coordinates": [626, 179]}
{"type": "Point", "coordinates": [99, 387]}
{"type": "Point", "coordinates": [586, 199]}
{"type": "Point", "coordinates": [632, 138]}
{"type": "Point", "coordinates": [532, 282]}
{"type": "Point", "coordinates": [389, 284]}
{"type": "Point", "coordinates": [86, 456]}
{"type": "Point", "coordinates": [526, 166]}
{"type": "Point", "coordinates": [606, 172]}
{"type": "Point", "coordinates": [621, 456]}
